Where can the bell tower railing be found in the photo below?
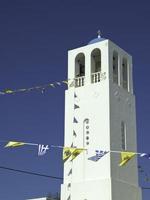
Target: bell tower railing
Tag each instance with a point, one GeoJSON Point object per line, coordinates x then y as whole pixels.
{"type": "Point", "coordinates": [79, 81]}
{"type": "Point", "coordinates": [96, 77]}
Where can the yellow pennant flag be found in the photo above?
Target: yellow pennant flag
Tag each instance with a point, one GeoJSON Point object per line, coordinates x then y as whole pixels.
{"type": "Point", "coordinates": [8, 91]}
{"type": "Point", "coordinates": [66, 82]}
{"type": "Point", "coordinates": [67, 152]}
{"type": "Point", "coordinates": [14, 144]}
{"type": "Point", "coordinates": [71, 84]}
{"type": "Point", "coordinates": [76, 152]}
{"type": "Point", "coordinates": [125, 157]}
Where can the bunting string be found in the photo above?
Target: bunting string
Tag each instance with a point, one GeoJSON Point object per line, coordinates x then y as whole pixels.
{"type": "Point", "coordinates": [41, 88]}
{"type": "Point", "coordinates": [146, 155]}
{"type": "Point", "coordinates": [44, 87]}
{"type": "Point", "coordinates": [73, 152]}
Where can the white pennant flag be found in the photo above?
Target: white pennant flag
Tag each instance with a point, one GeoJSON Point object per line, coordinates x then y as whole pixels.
{"type": "Point", "coordinates": [42, 149]}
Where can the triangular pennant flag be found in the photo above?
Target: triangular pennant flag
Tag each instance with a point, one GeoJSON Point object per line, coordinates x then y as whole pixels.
{"type": "Point", "coordinates": [70, 172]}
{"type": "Point", "coordinates": [75, 120]}
{"type": "Point", "coordinates": [76, 106]}
{"type": "Point", "coordinates": [69, 185]}
{"type": "Point", "coordinates": [69, 197]}
{"type": "Point", "coordinates": [145, 155]}
{"type": "Point", "coordinates": [71, 84]}
{"type": "Point", "coordinates": [92, 158]}
{"type": "Point", "coordinates": [8, 91]}
{"type": "Point", "coordinates": [14, 144]}
{"type": "Point", "coordinates": [38, 87]}
{"type": "Point", "coordinates": [76, 152]}
{"type": "Point", "coordinates": [58, 83]}
{"type": "Point", "coordinates": [30, 89]}
{"type": "Point", "coordinates": [75, 96]}
{"type": "Point", "coordinates": [43, 90]}
{"type": "Point", "coordinates": [42, 149]}
{"type": "Point", "coordinates": [52, 85]}
{"type": "Point", "coordinates": [22, 90]}
{"type": "Point", "coordinates": [72, 145]}
{"type": "Point", "coordinates": [2, 93]}
{"type": "Point", "coordinates": [100, 154]}
{"type": "Point", "coordinates": [74, 133]}
{"type": "Point", "coordinates": [66, 82]}
{"type": "Point", "coordinates": [67, 152]}
{"type": "Point", "coordinates": [125, 157]}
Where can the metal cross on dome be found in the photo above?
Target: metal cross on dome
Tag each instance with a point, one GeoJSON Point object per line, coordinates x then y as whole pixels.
{"type": "Point", "coordinates": [99, 34]}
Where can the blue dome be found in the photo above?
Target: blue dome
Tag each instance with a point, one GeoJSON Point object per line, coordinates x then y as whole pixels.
{"type": "Point", "coordinates": [99, 39]}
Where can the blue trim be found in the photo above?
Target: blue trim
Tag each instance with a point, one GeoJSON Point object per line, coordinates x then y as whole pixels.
{"type": "Point", "coordinates": [96, 40]}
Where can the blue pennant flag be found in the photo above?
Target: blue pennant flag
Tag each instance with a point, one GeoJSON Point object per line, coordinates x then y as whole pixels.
{"type": "Point", "coordinates": [42, 149]}
{"type": "Point", "coordinates": [76, 106]}
{"type": "Point", "coordinates": [145, 155]}
{"type": "Point", "coordinates": [100, 154]}
{"type": "Point", "coordinates": [74, 120]}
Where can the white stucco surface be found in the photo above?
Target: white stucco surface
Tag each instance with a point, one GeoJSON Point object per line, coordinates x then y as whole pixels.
{"type": "Point", "coordinates": [105, 104]}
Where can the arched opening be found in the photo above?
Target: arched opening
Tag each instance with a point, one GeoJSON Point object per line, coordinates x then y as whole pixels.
{"type": "Point", "coordinates": [96, 65]}
{"type": "Point", "coordinates": [125, 73]}
{"type": "Point", "coordinates": [79, 70]}
{"type": "Point", "coordinates": [80, 65]}
{"type": "Point", "coordinates": [123, 136]}
{"type": "Point", "coordinates": [115, 67]}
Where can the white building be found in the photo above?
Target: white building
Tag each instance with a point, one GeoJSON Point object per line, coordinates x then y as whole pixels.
{"type": "Point", "coordinates": [105, 120]}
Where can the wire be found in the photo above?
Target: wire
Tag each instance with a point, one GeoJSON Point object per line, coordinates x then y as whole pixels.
{"type": "Point", "coordinates": [145, 188]}
{"type": "Point", "coordinates": [31, 173]}
{"type": "Point", "coordinates": [44, 175]}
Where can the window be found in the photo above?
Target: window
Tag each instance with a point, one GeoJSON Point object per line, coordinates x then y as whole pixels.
{"type": "Point", "coordinates": [96, 61]}
{"type": "Point", "coordinates": [95, 65]}
{"type": "Point", "coordinates": [80, 65]}
{"type": "Point", "coordinates": [115, 67]}
{"type": "Point", "coordinates": [79, 70]}
{"type": "Point", "coordinates": [125, 73]}
{"type": "Point", "coordinates": [123, 136]}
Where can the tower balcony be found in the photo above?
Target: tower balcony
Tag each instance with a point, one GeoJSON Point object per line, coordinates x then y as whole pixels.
{"type": "Point", "coordinates": [96, 77]}
{"type": "Point", "coordinates": [79, 81]}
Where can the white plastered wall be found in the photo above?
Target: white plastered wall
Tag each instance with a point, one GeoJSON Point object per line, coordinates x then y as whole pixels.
{"type": "Point", "coordinates": [99, 102]}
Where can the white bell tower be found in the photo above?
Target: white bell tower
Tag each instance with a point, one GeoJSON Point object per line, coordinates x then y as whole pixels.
{"type": "Point", "coordinates": [100, 114]}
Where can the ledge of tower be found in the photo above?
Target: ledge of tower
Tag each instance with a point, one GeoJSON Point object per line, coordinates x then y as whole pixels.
{"type": "Point", "coordinates": [95, 40]}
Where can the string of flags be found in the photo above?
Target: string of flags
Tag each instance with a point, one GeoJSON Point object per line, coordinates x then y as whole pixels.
{"type": "Point", "coordinates": [41, 88]}
{"type": "Point", "coordinates": [70, 153]}
{"type": "Point", "coordinates": [44, 87]}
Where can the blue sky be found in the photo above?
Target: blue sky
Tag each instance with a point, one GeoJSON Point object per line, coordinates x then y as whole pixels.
{"type": "Point", "coordinates": [35, 36]}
